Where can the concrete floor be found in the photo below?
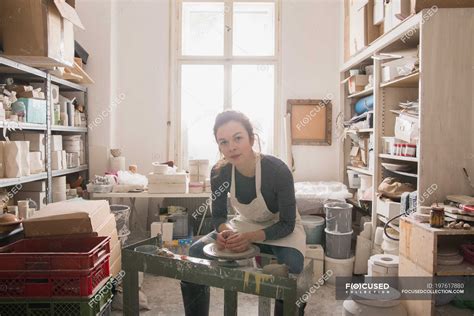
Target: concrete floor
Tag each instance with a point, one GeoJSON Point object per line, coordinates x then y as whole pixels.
{"type": "Point", "coordinates": [164, 298]}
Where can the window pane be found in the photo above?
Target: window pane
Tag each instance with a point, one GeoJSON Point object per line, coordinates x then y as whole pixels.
{"type": "Point", "coordinates": [203, 29]}
{"type": "Point", "coordinates": [202, 97]}
{"type": "Point", "coordinates": [254, 29]}
{"type": "Point", "coordinates": [253, 92]}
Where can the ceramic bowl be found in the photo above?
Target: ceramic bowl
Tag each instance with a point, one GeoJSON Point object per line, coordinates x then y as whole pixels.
{"type": "Point", "coordinates": [117, 152]}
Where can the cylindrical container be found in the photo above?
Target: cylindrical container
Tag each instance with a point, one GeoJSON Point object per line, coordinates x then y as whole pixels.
{"type": "Point", "coordinates": [354, 180]}
{"type": "Point", "coordinates": [390, 246]}
{"type": "Point", "coordinates": [59, 184]}
{"type": "Point", "coordinates": [122, 216]}
{"type": "Point", "coordinates": [338, 245]}
{"type": "Point", "coordinates": [338, 217]}
{"type": "Point", "coordinates": [23, 209]}
{"type": "Point", "coordinates": [116, 163]}
{"type": "Point", "coordinates": [437, 217]}
{"type": "Point", "coordinates": [410, 150]}
{"type": "Point", "coordinates": [160, 168]}
{"type": "Point", "coordinates": [338, 268]}
{"type": "Point", "coordinates": [313, 226]}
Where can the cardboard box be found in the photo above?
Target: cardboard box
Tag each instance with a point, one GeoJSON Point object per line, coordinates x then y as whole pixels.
{"type": "Point", "coordinates": [35, 94]}
{"type": "Point", "coordinates": [362, 29]}
{"type": "Point", "coordinates": [38, 197]}
{"type": "Point", "coordinates": [37, 140]}
{"type": "Point", "coordinates": [356, 83]}
{"type": "Point", "coordinates": [39, 33]}
{"type": "Point", "coordinates": [35, 110]}
{"type": "Point", "coordinates": [418, 5]}
{"type": "Point", "coordinates": [379, 11]}
{"type": "Point", "coordinates": [36, 186]}
{"type": "Point", "coordinates": [393, 10]}
{"type": "Point", "coordinates": [69, 217]}
{"type": "Point", "coordinates": [56, 142]}
{"type": "Point", "coordinates": [56, 160]}
{"type": "Point", "coordinates": [407, 129]}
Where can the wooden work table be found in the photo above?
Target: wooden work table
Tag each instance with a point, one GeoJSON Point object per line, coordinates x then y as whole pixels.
{"type": "Point", "coordinates": [206, 272]}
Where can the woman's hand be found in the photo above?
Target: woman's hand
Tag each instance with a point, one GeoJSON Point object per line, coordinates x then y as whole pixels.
{"type": "Point", "coordinates": [222, 238]}
{"type": "Point", "coordinates": [239, 242]}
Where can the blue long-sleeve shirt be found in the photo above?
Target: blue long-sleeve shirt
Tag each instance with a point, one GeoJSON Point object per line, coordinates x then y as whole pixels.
{"type": "Point", "coordinates": [277, 188]}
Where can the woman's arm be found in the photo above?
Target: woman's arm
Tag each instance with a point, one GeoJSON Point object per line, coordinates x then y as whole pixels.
{"type": "Point", "coordinates": [219, 200]}
{"type": "Point", "coordinates": [285, 191]}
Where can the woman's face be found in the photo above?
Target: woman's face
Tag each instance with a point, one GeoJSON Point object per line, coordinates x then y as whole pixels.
{"type": "Point", "coordinates": [234, 142]}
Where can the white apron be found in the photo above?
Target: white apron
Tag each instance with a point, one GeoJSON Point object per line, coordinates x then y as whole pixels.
{"type": "Point", "coordinates": [255, 216]}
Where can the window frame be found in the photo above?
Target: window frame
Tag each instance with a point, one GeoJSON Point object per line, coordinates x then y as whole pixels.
{"type": "Point", "coordinates": [174, 138]}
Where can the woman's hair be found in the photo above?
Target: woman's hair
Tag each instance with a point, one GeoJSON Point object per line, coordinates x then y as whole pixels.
{"type": "Point", "coordinates": [225, 117]}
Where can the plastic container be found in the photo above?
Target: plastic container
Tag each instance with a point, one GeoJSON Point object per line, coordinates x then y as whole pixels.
{"type": "Point", "coordinates": [95, 305]}
{"type": "Point", "coordinates": [313, 226]}
{"type": "Point", "coordinates": [54, 253]}
{"type": "Point", "coordinates": [54, 283]}
{"type": "Point", "coordinates": [338, 217]}
{"type": "Point", "coordinates": [338, 245]}
{"type": "Point", "coordinates": [99, 188]}
{"type": "Point", "coordinates": [339, 268]}
{"type": "Point", "coordinates": [354, 180]}
{"type": "Point", "coordinates": [122, 216]}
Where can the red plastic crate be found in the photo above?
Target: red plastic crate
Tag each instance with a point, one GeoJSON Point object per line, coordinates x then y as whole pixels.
{"type": "Point", "coordinates": [54, 253]}
{"type": "Point", "coordinates": [63, 283]}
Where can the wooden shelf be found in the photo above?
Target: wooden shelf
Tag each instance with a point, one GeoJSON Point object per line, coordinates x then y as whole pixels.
{"type": "Point", "coordinates": [364, 93]}
{"type": "Point", "coordinates": [410, 81]}
{"type": "Point", "coordinates": [464, 268]}
{"type": "Point", "coordinates": [401, 158]}
{"type": "Point", "coordinates": [439, 231]}
{"type": "Point", "coordinates": [361, 170]}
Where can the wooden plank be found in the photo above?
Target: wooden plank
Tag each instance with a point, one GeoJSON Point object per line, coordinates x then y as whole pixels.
{"type": "Point", "coordinates": [446, 100]}
{"type": "Point", "coordinates": [415, 307]}
{"type": "Point", "coordinates": [417, 245]}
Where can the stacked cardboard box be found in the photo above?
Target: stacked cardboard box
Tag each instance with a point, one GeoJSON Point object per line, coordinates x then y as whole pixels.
{"type": "Point", "coordinates": [39, 33]}
{"type": "Point", "coordinates": [77, 217]}
{"type": "Point", "coordinates": [35, 191]}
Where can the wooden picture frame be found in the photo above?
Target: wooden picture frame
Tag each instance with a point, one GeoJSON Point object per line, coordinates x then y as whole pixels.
{"type": "Point", "coordinates": [311, 122]}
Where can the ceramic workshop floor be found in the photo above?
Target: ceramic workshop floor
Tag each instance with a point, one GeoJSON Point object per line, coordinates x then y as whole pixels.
{"type": "Point", "coordinates": [164, 298]}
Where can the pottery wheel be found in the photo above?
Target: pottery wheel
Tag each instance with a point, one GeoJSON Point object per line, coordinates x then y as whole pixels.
{"type": "Point", "coordinates": [211, 251]}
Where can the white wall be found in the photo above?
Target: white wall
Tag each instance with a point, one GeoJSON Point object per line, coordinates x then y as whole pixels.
{"type": "Point", "coordinates": [311, 54]}
{"type": "Point", "coordinates": [129, 46]}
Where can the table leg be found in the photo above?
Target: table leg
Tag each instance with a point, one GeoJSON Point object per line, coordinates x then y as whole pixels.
{"type": "Point", "coordinates": [130, 291]}
{"type": "Point", "coordinates": [230, 303]}
{"type": "Point", "coordinates": [264, 306]}
{"type": "Point", "coordinates": [289, 304]}
{"type": "Point", "coordinates": [133, 213]}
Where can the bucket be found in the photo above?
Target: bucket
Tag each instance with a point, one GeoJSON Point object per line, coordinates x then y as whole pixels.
{"type": "Point", "coordinates": [354, 180]}
{"type": "Point", "coordinates": [338, 268]}
{"type": "Point", "coordinates": [338, 217]}
{"type": "Point", "coordinates": [122, 215]}
{"type": "Point", "coordinates": [338, 245]}
{"type": "Point", "coordinates": [313, 226]}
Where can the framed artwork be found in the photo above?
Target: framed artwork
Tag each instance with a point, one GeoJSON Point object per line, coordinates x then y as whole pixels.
{"type": "Point", "coordinates": [311, 122]}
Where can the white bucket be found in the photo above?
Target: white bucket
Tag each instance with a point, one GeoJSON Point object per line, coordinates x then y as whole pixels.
{"type": "Point", "coordinates": [354, 180]}
{"type": "Point", "coordinates": [313, 226]}
{"type": "Point", "coordinates": [338, 245]}
{"type": "Point", "coordinates": [338, 268]}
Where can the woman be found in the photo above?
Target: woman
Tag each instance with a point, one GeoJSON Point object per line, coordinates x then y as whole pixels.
{"type": "Point", "coordinates": [261, 193]}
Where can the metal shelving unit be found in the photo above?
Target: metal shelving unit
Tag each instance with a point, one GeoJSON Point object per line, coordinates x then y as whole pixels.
{"type": "Point", "coordinates": [10, 68]}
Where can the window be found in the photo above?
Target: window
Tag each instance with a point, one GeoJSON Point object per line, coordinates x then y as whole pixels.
{"type": "Point", "coordinates": [226, 57]}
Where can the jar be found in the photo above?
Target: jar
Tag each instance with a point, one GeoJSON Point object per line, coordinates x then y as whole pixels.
{"type": "Point", "coordinates": [437, 217]}
{"type": "Point", "coordinates": [410, 150]}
